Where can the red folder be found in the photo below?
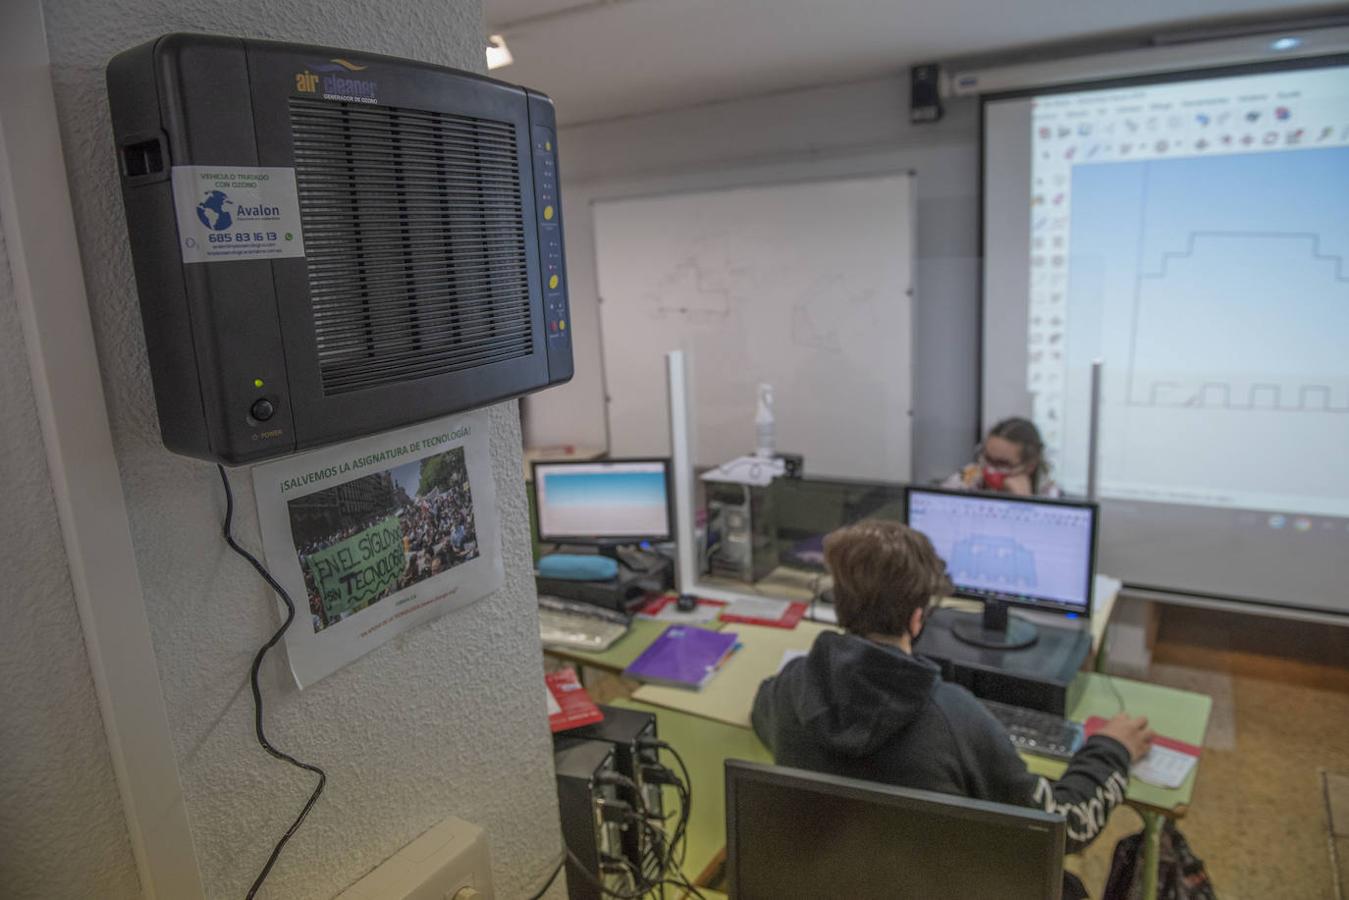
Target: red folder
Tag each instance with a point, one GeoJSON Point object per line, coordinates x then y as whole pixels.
{"type": "Point", "coordinates": [794, 613]}
{"type": "Point", "coordinates": [1093, 725]}
{"type": "Point", "coordinates": [574, 706]}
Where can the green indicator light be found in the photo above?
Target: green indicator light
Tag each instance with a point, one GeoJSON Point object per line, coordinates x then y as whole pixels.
{"type": "Point", "coordinates": [257, 382]}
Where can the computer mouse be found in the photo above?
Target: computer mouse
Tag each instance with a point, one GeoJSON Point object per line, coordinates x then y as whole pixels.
{"type": "Point", "coordinates": [686, 603]}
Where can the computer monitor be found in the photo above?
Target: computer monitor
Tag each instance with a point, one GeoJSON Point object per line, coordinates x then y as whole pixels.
{"type": "Point", "coordinates": [793, 833]}
{"type": "Point", "coordinates": [609, 502]}
{"type": "Point", "coordinates": [805, 510]}
{"type": "Point", "coordinates": [1032, 552]}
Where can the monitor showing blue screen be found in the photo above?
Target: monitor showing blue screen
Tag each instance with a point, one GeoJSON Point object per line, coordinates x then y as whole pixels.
{"type": "Point", "coordinates": [621, 500]}
{"type": "Point", "coordinates": [1025, 551]}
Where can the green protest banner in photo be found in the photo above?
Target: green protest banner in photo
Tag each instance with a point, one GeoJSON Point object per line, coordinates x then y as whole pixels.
{"type": "Point", "coordinates": [359, 570]}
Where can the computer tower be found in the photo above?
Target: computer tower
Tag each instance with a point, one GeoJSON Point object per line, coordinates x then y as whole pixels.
{"type": "Point", "coordinates": [330, 244]}
{"type": "Point", "coordinates": [741, 530]}
{"type": "Point", "coordinates": [596, 844]}
{"type": "Point", "coordinates": [627, 730]}
{"type": "Point", "coordinates": [1042, 676]}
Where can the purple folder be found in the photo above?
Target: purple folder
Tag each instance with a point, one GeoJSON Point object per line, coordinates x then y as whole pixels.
{"type": "Point", "coordinates": [683, 656]}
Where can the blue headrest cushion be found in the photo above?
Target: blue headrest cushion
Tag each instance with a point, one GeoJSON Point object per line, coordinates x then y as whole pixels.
{"type": "Point", "coordinates": [578, 567]}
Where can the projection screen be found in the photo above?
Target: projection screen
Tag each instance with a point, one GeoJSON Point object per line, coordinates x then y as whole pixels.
{"type": "Point", "coordinates": [1192, 231]}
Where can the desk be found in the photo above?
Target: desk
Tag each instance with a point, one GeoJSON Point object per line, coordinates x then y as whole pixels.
{"type": "Point", "coordinates": [713, 724]}
{"type": "Point", "coordinates": [1179, 714]}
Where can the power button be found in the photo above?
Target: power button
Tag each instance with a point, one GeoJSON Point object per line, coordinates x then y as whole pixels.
{"type": "Point", "coordinates": [263, 410]}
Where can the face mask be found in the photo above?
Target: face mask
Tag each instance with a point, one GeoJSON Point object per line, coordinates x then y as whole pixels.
{"type": "Point", "coordinates": [993, 479]}
{"type": "Point", "coordinates": [922, 623]}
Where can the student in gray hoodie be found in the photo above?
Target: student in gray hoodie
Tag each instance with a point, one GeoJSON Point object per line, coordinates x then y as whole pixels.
{"type": "Point", "coordinates": [863, 705]}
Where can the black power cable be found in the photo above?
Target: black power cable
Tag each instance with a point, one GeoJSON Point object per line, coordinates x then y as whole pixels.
{"type": "Point", "coordinates": [643, 891]}
{"type": "Point", "coordinates": [685, 798]}
{"type": "Point", "coordinates": [642, 815]}
{"type": "Point", "coordinates": [538, 895]}
{"type": "Point", "coordinates": [257, 691]}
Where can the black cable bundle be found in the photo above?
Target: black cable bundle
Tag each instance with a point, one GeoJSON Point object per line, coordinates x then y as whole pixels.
{"type": "Point", "coordinates": [257, 691]}
{"type": "Point", "coordinates": [642, 816]}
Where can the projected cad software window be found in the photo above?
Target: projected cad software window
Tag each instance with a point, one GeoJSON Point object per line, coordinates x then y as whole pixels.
{"type": "Point", "coordinates": [609, 500]}
{"type": "Point", "coordinates": [1191, 232]}
{"type": "Point", "coordinates": [1034, 551]}
{"type": "Point", "coordinates": [1195, 236]}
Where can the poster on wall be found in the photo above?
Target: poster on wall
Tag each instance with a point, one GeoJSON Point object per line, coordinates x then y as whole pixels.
{"type": "Point", "coordinates": [377, 536]}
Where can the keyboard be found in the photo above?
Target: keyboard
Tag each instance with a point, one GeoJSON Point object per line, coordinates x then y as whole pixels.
{"type": "Point", "coordinates": [1033, 731]}
{"type": "Point", "coordinates": [579, 626]}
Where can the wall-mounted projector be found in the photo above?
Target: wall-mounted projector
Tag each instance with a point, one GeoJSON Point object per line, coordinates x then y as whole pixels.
{"type": "Point", "coordinates": [329, 244]}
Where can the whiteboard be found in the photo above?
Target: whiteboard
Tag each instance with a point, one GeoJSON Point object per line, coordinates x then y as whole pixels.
{"type": "Point", "coordinates": [806, 286]}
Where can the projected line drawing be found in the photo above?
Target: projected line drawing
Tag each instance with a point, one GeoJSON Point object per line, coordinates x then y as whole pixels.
{"type": "Point", "coordinates": [1221, 395]}
{"type": "Point", "coordinates": [1216, 290]}
{"type": "Point", "coordinates": [986, 558]}
{"type": "Point", "coordinates": [1198, 295]}
{"type": "Point", "coordinates": [1188, 252]}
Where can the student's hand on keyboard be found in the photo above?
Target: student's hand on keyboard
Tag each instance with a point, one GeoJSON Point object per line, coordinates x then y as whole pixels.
{"type": "Point", "coordinates": [1131, 731]}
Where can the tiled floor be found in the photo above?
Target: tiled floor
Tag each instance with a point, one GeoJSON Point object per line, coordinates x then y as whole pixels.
{"type": "Point", "coordinates": [1259, 816]}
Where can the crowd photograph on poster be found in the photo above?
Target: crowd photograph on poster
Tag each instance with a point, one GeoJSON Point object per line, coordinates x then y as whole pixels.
{"type": "Point", "coordinates": [363, 540]}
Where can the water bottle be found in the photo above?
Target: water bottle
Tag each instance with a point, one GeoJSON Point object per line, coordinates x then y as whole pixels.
{"type": "Point", "coordinates": [763, 423]}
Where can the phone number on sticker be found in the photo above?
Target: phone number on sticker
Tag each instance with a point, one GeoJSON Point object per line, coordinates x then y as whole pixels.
{"type": "Point", "coordinates": [243, 237]}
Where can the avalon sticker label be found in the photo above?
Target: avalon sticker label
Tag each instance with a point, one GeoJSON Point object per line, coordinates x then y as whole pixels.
{"type": "Point", "coordinates": [237, 213]}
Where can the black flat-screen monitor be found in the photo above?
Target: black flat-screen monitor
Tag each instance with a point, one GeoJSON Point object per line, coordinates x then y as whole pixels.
{"type": "Point", "coordinates": [1008, 550]}
{"type": "Point", "coordinates": [616, 501]}
{"type": "Point", "coordinates": [792, 833]}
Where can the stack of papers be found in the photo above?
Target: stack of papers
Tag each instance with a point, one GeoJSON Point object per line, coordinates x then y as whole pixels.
{"type": "Point", "coordinates": [1164, 766]}
{"type": "Point", "coordinates": [1167, 764]}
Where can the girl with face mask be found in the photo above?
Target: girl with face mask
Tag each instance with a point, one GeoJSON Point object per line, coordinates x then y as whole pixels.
{"type": "Point", "coordinates": [1010, 460]}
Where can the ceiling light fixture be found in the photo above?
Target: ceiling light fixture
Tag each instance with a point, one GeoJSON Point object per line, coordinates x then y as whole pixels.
{"type": "Point", "coordinates": [498, 54]}
{"type": "Point", "coordinates": [1286, 43]}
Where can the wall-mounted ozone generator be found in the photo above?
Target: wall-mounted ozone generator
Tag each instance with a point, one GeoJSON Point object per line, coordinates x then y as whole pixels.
{"type": "Point", "coordinates": [329, 244]}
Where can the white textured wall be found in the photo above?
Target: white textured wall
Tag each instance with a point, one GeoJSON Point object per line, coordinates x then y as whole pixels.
{"type": "Point", "coordinates": [446, 720]}
{"type": "Point", "coordinates": [825, 132]}
{"type": "Point", "coordinates": [62, 832]}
